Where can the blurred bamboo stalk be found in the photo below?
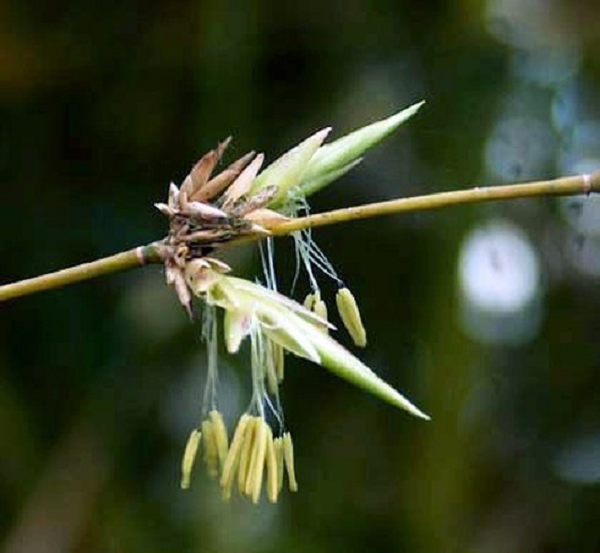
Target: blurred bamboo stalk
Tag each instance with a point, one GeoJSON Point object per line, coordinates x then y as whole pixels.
{"type": "Point", "coordinates": [142, 255]}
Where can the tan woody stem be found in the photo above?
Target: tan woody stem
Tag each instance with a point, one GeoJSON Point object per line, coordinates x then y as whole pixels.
{"type": "Point", "coordinates": [567, 186]}
{"type": "Point", "coordinates": [135, 257]}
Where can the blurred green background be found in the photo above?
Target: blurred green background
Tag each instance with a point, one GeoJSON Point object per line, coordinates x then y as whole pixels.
{"type": "Point", "coordinates": [486, 316]}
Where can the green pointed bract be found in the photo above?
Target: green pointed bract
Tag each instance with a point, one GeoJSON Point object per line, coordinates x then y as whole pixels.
{"type": "Point", "coordinates": [333, 160]}
{"type": "Point", "coordinates": [286, 172]}
{"type": "Point", "coordinates": [284, 321]}
{"type": "Point", "coordinates": [341, 362]}
{"type": "Point", "coordinates": [312, 185]}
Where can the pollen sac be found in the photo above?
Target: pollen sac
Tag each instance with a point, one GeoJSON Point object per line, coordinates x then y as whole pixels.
{"type": "Point", "coordinates": [279, 355]}
{"type": "Point", "coordinates": [350, 315]}
{"type": "Point", "coordinates": [320, 309]}
{"type": "Point", "coordinates": [246, 454]}
{"type": "Point", "coordinates": [232, 461]}
{"type": "Point", "coordinates": [211, 454]}
{"type": "Point", "coordinates": [288, 457]}
{"type": "Point", "coordinates": [256, 458]}
{"type": "Point", "coordinates": [272, 470]}
{"type": "Point", "coordinates": [189, 456]}
{"type": "Point", "coordinates": [220, 436]}
{"type": "Point", "coordinates": [257, 465]}
{"type": "Point", "coordinates": [278, 449]}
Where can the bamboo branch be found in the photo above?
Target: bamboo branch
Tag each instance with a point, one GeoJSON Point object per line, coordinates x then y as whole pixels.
{"type": "Point", "coordinates": [566, 186]}
{"type": "Point", "coordinates": [135, 257]}
{"type": "Point", "coordinates": [142, 255]}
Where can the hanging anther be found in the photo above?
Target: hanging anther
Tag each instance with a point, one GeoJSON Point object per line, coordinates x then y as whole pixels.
{"type": "Point", "coordinates": [220, 436]}
{"type": "Point", "coordinates": [189, 456]}
{"type": "Point", "coordinates": [232, 461]}
{"type": "Point", "coordinates": [350, 315]}
{"type": "Point", "coordinates": [288, 457]}
{"type": "Point", "coordinates": [211, 456]}
{"type": "Point", "coordinates": [271, 465]}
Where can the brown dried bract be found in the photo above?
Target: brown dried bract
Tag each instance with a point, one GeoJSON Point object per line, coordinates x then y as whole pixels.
{"type": "Point", "coordinates": [209, 211]}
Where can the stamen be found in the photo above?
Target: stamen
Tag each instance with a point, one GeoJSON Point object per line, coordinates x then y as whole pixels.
{"type": "Point", "coordinates": [320, 309]}
{"type": "Point", "coordinates": [210, 449]}
{"type": "Point", "coordinates": [270, 364]}
{"type": "Point", "coordinates": [279, 354]}
{"type": "Point", "coordinates": [288, 456]}
{"type": "Point", "coordinates": [220, 434]}
{"type": "Point", "coordinates": [350, 315]}
{"type": "Point", "coordinates": [234, 455]}
{"type": "Point", "coordinates": [246, 453]}
{"type": "Point", "coordinates": [257, 464]}
{"type": "Point", "coordinates": [189, 456]}
{"type": "Point", "coordinates": [271, 465]}
{"type": "Point", "coordinates": [278, 447]}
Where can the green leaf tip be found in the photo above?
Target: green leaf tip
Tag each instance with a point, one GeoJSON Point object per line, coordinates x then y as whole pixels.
{"type": "Point", "coordinates": [333, 160]}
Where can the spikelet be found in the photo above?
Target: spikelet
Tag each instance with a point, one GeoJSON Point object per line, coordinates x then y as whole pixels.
{"type": "Point", "coordinates": [350, 315]}
{"type": "Point", "coordinates": [215, 186]}
{"type": "Point", "coordinates": [242, 184]}
{"type": "Point", "coordinates": [189, 456]}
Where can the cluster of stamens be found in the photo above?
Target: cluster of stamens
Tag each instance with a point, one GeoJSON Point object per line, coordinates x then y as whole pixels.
{"type": "Point", "coordinates": [204, 213]}
{"type": "Point", "coordinates": [253, 457]}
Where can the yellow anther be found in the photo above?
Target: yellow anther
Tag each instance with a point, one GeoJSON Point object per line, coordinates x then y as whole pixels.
{"type": "Point", "coordinates": [271, 464]}
{"type": "Point", "coordinates": [279, 354]}
{"type": "Point", "coordinates": [220, 435]}
{"type": "Point", "coordinates": [271, 368]}
{"type": "Point", "coordinates": [210, 449]}
{"type": "Point", "coordinates": [278, 447]}
{"type": "Point", "coordinates": [189, 456]}
{"type": "Point", "coordinates": [320, 309]}
{"type": "Point", "coordinates": [257, 464]}
{"type": "Point", "coordinates": [350, 314]}
{"type": "Point", "coordinates": [245, 455]}
{"type": "Point", "coordinates": [233, 456]}
{"type": "Point", "coordinates": [288, 456]}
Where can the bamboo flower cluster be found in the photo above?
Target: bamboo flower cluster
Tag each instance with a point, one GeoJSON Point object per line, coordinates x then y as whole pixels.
{"type": "Point", "coordinates": [208, 211]}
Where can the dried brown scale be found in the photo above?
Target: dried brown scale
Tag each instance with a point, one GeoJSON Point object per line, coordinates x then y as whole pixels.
{"type": "Point", "coordinates": [206, 213]}
{"type": "Point", "coordinates": [253, 203]}
{"type": "Point", "coordinates": [242, 184]}
{"type": "Point", "coordinates": [215, 186]}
